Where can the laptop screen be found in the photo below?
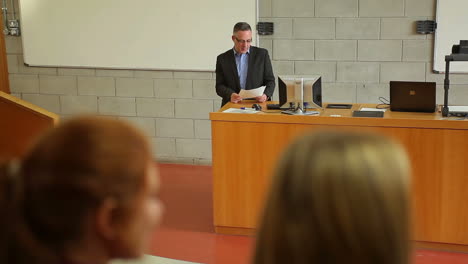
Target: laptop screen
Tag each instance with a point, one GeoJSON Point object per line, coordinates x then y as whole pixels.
{"type": "Point", "coordinates": [412, 96]}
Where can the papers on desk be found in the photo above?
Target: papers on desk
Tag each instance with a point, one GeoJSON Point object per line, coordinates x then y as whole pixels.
{"type": "Point", "coordinates": [252, 93]}
{"type": "Point", "coordinates": [373, 109]}
{"type": "Point", "coordinates": [241, 110]}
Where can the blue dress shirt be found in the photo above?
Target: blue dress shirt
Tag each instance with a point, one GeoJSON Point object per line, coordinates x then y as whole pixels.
{"type": "Point", "coordinates": [242, 62]}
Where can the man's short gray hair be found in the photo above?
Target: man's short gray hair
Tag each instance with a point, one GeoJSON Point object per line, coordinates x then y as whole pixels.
{"type": "Point", "coordinates": [241, 26]}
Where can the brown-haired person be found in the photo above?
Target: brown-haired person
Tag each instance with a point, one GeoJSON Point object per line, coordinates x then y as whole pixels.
{"type": "Point", "coordinates": [86, 193]}
{"type": "Point", "coordinates": [337, 198]}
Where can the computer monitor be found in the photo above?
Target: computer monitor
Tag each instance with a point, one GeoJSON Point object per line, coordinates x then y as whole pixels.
{"type": "Point", "coordinates": [304, 91]}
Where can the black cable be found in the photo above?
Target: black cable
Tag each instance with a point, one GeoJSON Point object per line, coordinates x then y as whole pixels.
{"type": "Point", "coordinates": [385, 104]}
{"type": "Point", "coordinates": [384, 100]}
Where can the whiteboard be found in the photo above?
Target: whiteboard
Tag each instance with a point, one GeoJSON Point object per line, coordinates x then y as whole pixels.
{"type": "Point", "coordinates": [452, 26]}
{"type": "Point", "coordinates": [131, 34]}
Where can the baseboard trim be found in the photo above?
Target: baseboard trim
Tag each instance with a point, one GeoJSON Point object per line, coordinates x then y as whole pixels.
{"type": "Point", "coordinates": [237, 231]}
{"type": "Point", "coordinates": [441, 246]}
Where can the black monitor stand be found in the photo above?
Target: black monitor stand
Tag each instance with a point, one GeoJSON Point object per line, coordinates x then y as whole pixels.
{"type": "Point", "coordinates": [448, 59]}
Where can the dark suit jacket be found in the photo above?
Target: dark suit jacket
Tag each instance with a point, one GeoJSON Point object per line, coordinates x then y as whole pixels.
{"type": "Point", "coordinates": [260, 72]}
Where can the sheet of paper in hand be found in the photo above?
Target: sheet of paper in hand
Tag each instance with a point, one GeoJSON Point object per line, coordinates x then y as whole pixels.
{"type": "Point", "coordinates": [252, 93]}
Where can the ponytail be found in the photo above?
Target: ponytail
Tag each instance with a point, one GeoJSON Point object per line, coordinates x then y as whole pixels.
{"type": "Point", "coordinates": [17, 242]}
{"type": "Point", "coordinates": [7, 201]}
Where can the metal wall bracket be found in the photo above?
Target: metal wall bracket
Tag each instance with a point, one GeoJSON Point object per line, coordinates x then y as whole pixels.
{"type": "Point", "coordinates": [265, 28]}
{"type": "Point", "coordinates": [426, 26]}
{"type": "Point", "coordinates": [13, 26]}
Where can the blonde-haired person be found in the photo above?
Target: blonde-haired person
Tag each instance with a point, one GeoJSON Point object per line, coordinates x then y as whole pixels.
{"type": "Point", "coordinates": [337, 198]}
{"type": "Point", "coordinates": [87, 192]}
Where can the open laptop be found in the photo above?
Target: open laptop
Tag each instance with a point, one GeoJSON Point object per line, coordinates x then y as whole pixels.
{"type": "Point", "coordinates": [413, 96]}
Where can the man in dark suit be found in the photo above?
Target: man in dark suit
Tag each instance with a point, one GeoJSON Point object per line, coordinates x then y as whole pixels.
{"type": "Point", "coordinates": [243, 67]}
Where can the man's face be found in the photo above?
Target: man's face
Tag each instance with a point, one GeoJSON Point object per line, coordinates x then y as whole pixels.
{"type": "Point", "coordinates": [242, 41]}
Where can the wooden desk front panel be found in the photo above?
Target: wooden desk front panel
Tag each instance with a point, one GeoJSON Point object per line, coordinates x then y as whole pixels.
{"type": "Point", "coordinates": [245, 154]}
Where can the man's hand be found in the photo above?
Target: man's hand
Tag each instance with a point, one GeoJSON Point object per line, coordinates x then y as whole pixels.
{"type": "Point", "coordinates": [261, 99]}
{"type": "Point", "coordinates": [235, 98]}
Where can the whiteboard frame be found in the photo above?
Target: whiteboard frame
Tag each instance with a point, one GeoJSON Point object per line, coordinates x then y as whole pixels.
{"type": "Point", "coordinates": [52, 46]}
{"type": "Point", "coordinates": [452, 24]}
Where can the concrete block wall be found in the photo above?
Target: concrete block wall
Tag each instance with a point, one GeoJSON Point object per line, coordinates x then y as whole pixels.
{"type": "Point", "coordinates": [171, 107]}
{"type": "Point", "coordinates": [357, 46]}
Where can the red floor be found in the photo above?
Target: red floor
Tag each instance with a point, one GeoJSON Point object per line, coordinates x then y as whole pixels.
{"type": "Point", "coordinates": [187, 229]}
